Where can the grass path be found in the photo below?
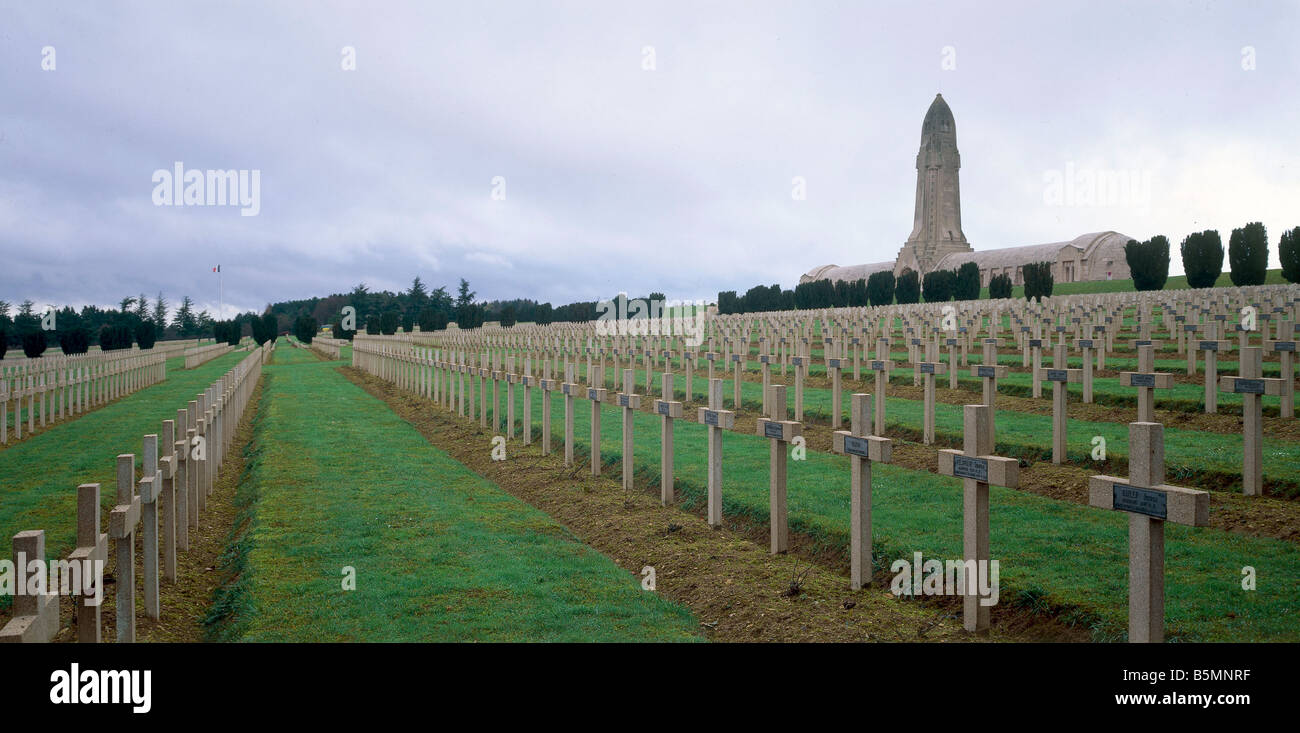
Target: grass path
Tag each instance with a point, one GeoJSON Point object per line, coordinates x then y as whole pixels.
{"type": "Point", "coordinates": [440, 554]}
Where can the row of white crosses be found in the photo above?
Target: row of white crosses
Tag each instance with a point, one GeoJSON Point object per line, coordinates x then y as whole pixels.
{"type": "Point", "coordinates": [1144, 495]}
{"type": "Point", "coordinates": [57, 387]}
{"type": "Point", "coordinates": [173, 487]}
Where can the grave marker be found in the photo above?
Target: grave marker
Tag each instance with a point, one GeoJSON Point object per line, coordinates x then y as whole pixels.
{"type": "Point", "coordinates": [1149, 503]}
{"type": "Point", "coordinates": [668, 411]}
{"type": "Point", "coordinates": [978, 469]}
{"type": "Point", "coordinates": [862, 450]}
{"type": "Point", "coordinates": [779, 433]}
{"type": "Point", "coordinates": [122, 522]}
{"type": "Point", "coordinates": [1252, 387]}
{"type": "Point", "coordinates": [718, 420]}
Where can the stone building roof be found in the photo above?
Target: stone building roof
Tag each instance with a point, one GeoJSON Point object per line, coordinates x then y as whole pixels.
{"type": "Point", "coordinates": [849, 272]}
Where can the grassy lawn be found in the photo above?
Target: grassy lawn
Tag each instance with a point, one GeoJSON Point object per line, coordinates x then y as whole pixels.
{"type": "Point", "coordinates": [39, 476]}
{"type": "Point", "coordinates": [440, 554]}
{"type": "Point", "coordinates": [1074, 556]}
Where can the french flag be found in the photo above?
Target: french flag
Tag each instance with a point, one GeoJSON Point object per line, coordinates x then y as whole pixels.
{"type": "Point", "coordinates": [217, 268]}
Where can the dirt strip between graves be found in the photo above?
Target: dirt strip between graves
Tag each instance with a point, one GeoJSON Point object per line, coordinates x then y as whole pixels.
{"type": "Point", "coordinates": [726, 576]}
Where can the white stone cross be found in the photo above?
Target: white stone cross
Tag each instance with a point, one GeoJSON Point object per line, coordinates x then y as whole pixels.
{"type": "Point", "coordinates": [1059, 376]}
{"type": "Point", "coordinates": [122, 522]}
{"type": "Point", "coordinates": [630, 402]}
{"type": "Point", "coordinates": [1149, 503]}
{"type": "Point", "coordinates": [718, 420]}
{"type": "Point", "coordinates": [1146, 379]}
{"type": "Point", "coordinates": [779, 432]}
{"type": "Point", "coordinates": [1252, 387]}
{"type": "Point", "coordinates": [862, 450]}
{"type": "Point", "coordinates": [978, 469]}
{"type": "Point", "coordinates": [668, 410]}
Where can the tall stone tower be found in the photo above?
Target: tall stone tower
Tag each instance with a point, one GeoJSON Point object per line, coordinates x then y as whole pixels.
{"type": "Point", "coordinates": [936, 230]}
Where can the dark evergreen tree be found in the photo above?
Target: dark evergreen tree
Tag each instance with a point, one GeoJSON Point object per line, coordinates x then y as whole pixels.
{"type": "Point", "coordinates": [880, 288]}
{"type": "Point", "coordinates": [966, 284]}
{"type": "Point", "coordinates": [1148, 262]}
{"type": "Point", "coordinates": [1288, 248]}
{"type": "Point", "coordinates": [1202, 258]}
{"type": "Point", "coordinates": [145, 335]}
{"type": "Point", "coordinates": [1248, 255]}
{"type": "Point", "coordinates": [1000, 286]}
{"type": "Point", "coordinates": [34, 343]}
{"type": "Point", "coordinates": [907, 289]}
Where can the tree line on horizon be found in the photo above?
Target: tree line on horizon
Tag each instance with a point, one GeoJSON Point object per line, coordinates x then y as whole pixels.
{"type": "Point", "coordinates": [135, 322]}
{"type": "Point", "coordinates": [1148, 261]}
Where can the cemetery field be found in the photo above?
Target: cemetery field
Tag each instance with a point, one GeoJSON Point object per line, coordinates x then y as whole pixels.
{"type": "Point", "coordinates": [733, 585]}
{"type": "Point", "coordinates": [337, 481]}
{"type": "Point", "coordinates": [39, 476]}
{"type": "Point", "coordinates": [1210, 457]}
{"type": "Point", "coordinates": [1066, 559]}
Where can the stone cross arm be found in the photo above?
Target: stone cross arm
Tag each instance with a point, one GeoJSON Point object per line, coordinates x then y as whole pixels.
{"type": "Point", "coordinates": [989, 370]}
{"type": "Point", "coordinates": [994, 470]}
{"type": "Point", "coordinates": [629, 400]}
{"type": "Point", "coordinates": [1168, 503]}
{"type": "Point", "coordinates": [1248, 385]}
{"type": "Point", "coordinates": [1146, 379]}
{"type": "Point", "coordinates": [596, 394]}
{"type": "Point", "coordinates": [1063, 375]}
{"type": "Point", "coordinates": [870, 447]}
{"type": "Point", "coordinates": [725, 419]}
{"type": "Point", "coordinates": [123, 519]}
{"type": "Point", "coordinates": [933, 367]}
{"type": "Point", "coordinates": [1213, 345]}
{"type": "Point", "coordinates": [783, 430]}
{"type": "Point", "coordinates": [1280, 345]}
{"type": "Point", "coordinates": [669, 408]}
{"type": "Point", "coordinates": [882, 365]}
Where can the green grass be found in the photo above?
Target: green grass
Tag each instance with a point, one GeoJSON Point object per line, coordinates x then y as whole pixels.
{"type": "Point", "coordinates": [441, 554]}
{"type": "Point", "coordinates": [39, 476]}
{"type": "Point", "coordinates": [1077, 555]}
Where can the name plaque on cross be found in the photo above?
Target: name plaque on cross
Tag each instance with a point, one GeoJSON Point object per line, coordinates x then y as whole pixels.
{"type": "Point", "coordinates": [1284, 346]}
{"type": "Point", "coordinates": [1142, 342]}
{"type": "Point", "coordinates": [1035, 343]}
{"type": "Point", "coordinates": [1058, 375]}
{"type": "Point", "coordinates": [877, 366]}
{"type": "Point", "coordinates": [1134, 499]}
{"type": "Point", "coordinates": [1142, 380]}
{"type": "Point", "coordinates": [711, 417]}
{"type": "Point", "coordinates": [987, 371]}
{"type": "Point", "coordinates": [663, 407]}
{"type": "Point", "coordinates": [565, 388]}
{"type": "Point", "coordinates": [591, 393]}
{"type": "Point", "coordinates": [833, 363]}
{"type": "Point", "coordinates": [967, 467]}
{"type": "Point", "coordinates": [1209, 346]}
{"type": "Point", "coordinates": [1248, 386]}
{"type": "Point", "coordinates": [773, 430]}
{"type": "Point", "coordinates": [764, 358]}
{"type": "Point", "coordinates": [796, 360]}
{"type": "Point", "coordinates": [927, 367]}
{"type": "Point", "coordinates": [1085, 343]}
{"type": "Point", "coordinates": [622, 400]}
{"type": "Point", "coordinates": [857, 446]}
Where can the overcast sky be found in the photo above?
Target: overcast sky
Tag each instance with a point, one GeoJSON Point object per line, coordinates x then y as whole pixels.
{"type": "Point", "coordinates": [642, 146]}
